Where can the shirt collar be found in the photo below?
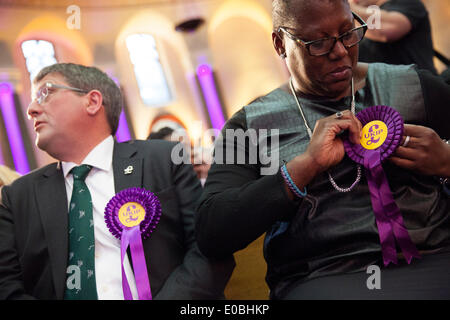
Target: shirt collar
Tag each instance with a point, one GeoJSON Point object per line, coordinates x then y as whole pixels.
{"type": "Point", "coordinates": [100, 157]}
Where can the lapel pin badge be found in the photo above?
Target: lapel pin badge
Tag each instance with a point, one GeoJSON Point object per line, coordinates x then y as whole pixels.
{"type": "Point", "coordinates": [128, 170]}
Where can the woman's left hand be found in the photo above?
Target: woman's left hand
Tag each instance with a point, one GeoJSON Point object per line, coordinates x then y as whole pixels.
{"type": "Point", "coordinates": [425, 152]}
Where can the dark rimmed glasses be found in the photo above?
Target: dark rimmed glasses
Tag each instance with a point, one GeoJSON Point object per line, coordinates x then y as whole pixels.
{"type": "Point", "coordinates": [324, 46]}
{"type": "Point", "coordinates": [43, 92]}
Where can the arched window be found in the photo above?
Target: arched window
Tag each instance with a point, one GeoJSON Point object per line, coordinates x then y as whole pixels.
{"type": "Point", "coordinates": [38, 54]}
{"type": "Point", "coordinates": [149, 73]}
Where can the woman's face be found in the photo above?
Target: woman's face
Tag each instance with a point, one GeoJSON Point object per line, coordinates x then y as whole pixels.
{"type": "Point", "coordinates": [328, 75]}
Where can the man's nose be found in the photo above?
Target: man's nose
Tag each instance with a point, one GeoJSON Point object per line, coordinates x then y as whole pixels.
{"type": "Point", "coordinates": [33, 109]}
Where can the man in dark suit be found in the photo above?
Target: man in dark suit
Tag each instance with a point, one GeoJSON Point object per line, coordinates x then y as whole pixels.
{"type": "Point", "coordinates": [75, 112]}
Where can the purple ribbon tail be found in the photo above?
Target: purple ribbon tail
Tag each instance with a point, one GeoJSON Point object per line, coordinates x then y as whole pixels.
{"type": "Point", "coordinates": [139, 265]}
{"type": "Point", "coordinates": [387, 214]}
{"type": "Point", "coordinates": [408, 248]}
{"type": "Point", "coordinates": [132, 237]}
{"type": "Point", "coordinates": [124, 242]}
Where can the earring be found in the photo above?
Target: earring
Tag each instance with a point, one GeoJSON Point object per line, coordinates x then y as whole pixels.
{"type": "Point", "coordinates": [283, 55]}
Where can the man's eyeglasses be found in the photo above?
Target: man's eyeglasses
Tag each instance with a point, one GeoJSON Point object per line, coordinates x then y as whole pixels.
{"type": "Point", "coordinates": [323, 46]}
{"type": "Point", "coordinates": [44, 91]}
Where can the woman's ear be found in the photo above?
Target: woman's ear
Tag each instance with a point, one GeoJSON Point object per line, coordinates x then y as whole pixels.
{"type": "Point", "coordinates": [278, 44]}
{"type": "Point", "coordinates": [95, 102]}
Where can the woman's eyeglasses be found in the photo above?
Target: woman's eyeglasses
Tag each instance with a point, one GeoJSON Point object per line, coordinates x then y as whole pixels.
{"type": "Point", "coordinates": [323, 46]}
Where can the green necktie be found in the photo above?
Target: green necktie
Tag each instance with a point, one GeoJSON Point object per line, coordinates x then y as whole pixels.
{"type": "Point", "coordinates": [80, 284]}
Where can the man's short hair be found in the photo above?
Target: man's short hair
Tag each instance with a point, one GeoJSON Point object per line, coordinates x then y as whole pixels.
{"type": "Point", "coordinates": [90, 78]}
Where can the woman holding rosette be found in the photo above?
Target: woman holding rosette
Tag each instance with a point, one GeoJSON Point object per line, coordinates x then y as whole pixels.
{"type": "Point", "coordinates": [329, 215]}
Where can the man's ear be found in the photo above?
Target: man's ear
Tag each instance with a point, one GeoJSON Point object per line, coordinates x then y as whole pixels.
{"type": "Point", "coordinates": [278, 44]}
{"type": "Point", "coordinates": [95, 102]}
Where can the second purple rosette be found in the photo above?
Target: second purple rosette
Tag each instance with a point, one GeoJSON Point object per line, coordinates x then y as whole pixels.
{"type": "Point", "coordinates": [381, 136]}
{"type": "Point", "coordinates": [132, 215]}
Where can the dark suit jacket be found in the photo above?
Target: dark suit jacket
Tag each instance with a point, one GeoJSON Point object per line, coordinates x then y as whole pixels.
{"type": "Point", "coordinates": [34, 237]}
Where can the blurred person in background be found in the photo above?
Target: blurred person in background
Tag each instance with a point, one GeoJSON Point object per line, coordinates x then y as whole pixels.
{"type": "Point", "coordinates": [7, 176]}
{"type": "Point", "coordinates": [403, 35]}
{"type": "Point", "coordinates": [163, 134]}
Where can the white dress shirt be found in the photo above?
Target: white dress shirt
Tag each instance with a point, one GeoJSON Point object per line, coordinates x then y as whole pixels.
{"type": "Point", "coordinates": [100, 181]}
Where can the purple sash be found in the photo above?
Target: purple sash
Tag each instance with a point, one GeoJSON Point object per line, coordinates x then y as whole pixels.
{"type": "Point", "coordinates": [131, 215]}
{"type": "Point", "coordinates": [388, 217]}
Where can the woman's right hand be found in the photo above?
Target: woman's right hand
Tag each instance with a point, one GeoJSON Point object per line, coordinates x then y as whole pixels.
{"type": "Point", "coordinates": [326, 148]}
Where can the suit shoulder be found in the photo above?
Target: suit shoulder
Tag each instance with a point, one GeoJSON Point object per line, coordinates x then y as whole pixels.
{"type": "Point", "coordinates": [29, 178]}
{"type": "Point", "coordinates": [160, 150]}
{"type": "Point", "coordinates": [152, 145]}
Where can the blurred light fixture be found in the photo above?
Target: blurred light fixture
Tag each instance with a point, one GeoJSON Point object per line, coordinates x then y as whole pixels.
{"type": "Point", "coordinates": [12, 126]}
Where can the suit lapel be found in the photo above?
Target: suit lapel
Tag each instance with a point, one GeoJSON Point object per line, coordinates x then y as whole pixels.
{"type": "Point", "coordinates": [127, 167]}
{"type": "Point", "coordinates": [52, 204]}
{"type": "Point", "coordinates": [127, 170]}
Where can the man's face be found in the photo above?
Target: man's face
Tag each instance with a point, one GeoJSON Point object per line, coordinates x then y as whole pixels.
{"type": "Point", "coordinates": [58, 118]}
{"type": "Point", "coordinates": [330, 74]}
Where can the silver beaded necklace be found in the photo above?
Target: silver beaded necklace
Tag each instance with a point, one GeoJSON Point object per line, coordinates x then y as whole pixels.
{"type": "Point", "coordinates": [309, 131]}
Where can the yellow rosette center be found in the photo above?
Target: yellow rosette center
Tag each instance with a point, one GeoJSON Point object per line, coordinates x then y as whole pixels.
{"type": "Point", "coordinates": [131, 214]}
{"type": "Point", "coordinates": [374, 134]}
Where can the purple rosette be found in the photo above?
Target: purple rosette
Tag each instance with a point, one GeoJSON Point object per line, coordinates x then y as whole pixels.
{"type": "Point", "coordinates": [388, 217]}
{"type": "Point", "coordinates": [394, 123]}
{"type": "Point", "coordinates": [144, 197]}
{"type": "Point", "coordinates": [132, 215]}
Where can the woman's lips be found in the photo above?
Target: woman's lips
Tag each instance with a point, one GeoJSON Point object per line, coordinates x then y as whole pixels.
{"type": "Point", "coordinates": [342, 73]}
